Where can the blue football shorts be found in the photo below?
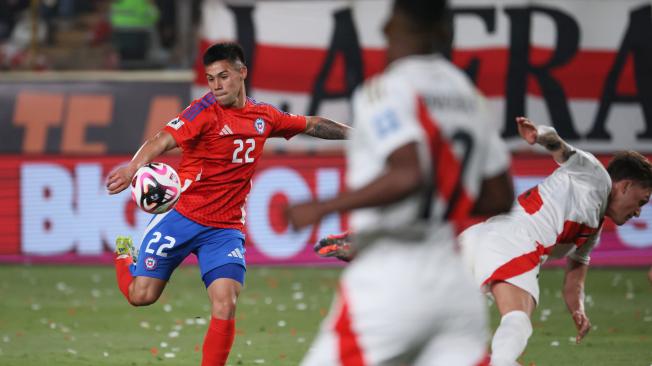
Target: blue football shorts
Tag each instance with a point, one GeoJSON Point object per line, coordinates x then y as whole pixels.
{"type": "Point", "coordinates": [170, 237]}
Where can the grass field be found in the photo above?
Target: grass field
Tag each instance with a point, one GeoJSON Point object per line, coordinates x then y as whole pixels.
{"type": "Point", "coordinates": [55, 315]}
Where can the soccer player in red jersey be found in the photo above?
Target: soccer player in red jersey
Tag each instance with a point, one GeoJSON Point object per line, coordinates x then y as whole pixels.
{"type": "Point", "coordinates": [221, 137]}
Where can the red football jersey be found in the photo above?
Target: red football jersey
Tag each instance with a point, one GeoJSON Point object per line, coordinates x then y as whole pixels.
{"type": "Point", "coordinates": [221, 148]}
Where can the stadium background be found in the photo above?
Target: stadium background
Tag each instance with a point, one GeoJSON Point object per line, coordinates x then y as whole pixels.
{"type": "Point", "coordinates": [583, 68]}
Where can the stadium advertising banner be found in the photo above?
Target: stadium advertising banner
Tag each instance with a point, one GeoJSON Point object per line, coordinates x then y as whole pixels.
{"type": "Point", "coordinates": [56, 209]}
{"type": "Point", "coordinates": [584, 66]}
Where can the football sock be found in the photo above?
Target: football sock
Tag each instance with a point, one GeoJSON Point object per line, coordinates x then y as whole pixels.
{"type": "Point", "coordinates": [218, 341]}
{"type": "Point", "coordinates": [510, 338]}
{"type": "Point", "coordinates": [123, 274]}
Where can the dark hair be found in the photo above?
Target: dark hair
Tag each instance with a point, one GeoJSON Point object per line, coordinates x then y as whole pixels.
{"type": "Point", "coordinates": [631, 165]}
{"type": "Point", "coordinates": [224, 51]}
{"type": "Point", "coordinates": [425, 13]}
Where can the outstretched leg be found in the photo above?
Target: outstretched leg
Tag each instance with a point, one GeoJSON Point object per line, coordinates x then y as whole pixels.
{"type": "Point", "coordinates": [139, 290]}
{"type": "Point", "coordinates": [516, 306]}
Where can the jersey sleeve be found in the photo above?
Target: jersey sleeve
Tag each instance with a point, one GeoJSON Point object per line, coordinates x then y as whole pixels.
{"type": "Point", "coordinates": [287, 125]}
{"type": "Point", "coordinates": [183, 129]}
{"type": "Point", "coordinates": [582, 254]}
{"type": "Point", "coordinates": [389, 119]}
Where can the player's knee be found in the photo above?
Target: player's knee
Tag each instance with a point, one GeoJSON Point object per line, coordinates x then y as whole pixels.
{"type": "Point", "coordinates": [143, 296]}
{"type": "Point", "coordinates": [224, 307]}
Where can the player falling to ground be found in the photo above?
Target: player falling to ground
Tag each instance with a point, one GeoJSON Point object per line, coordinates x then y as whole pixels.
{"type": "Point", "coordinates": [221, 137]}
{"type": "Point", "coordinates": [422, 153]}
{"type": "Point", "coordinates": [562, 216]}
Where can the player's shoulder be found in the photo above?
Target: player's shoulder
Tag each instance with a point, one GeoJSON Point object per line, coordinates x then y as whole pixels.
{"type": "Point", "coordinates": [198, 107]}
{"type": "Point", "coordinates": [257, 107]}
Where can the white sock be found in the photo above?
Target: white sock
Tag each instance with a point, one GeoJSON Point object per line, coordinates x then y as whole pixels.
{"type": "Point", "coordinates": [510, 338]}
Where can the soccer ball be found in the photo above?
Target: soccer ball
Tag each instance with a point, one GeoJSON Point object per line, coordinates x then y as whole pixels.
{"type": "Point", "coordinates": [155, 188]}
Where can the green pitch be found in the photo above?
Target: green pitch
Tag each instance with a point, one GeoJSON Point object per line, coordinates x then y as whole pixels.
{"type": "Point", "coordinates": [55, 315]}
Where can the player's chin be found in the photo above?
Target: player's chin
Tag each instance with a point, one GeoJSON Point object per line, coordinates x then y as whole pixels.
{"type": "Point", "coordinates": [621, 220]}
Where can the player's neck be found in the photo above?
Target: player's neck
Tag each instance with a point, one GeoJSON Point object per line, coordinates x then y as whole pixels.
{"type": "Point", "coordinates": [241, 101]}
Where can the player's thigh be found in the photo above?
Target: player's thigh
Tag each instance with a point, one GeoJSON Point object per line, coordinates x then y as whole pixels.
{"type": "Point", "coordinates": [510, 297]}
{"type": "Point", "coordinates": [166, 243]}
{"type": "Point", "coordinates": [223, 294]}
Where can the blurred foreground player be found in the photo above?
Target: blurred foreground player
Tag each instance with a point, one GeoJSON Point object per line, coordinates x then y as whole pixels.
{"type": "Point", "coordinates": [562, 216]}
{"type": "Point", "coordinates": [421, 153]}
{"type": "Point", "coordinates": [221, 136]}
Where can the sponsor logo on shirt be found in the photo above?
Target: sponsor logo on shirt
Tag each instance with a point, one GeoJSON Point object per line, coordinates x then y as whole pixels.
{"type": "Point", "coordinates": [226, 130]}
{"type": "Point", "coordinates": [260, 125]}
{"type": "Point", "coordinates": [175, 123]}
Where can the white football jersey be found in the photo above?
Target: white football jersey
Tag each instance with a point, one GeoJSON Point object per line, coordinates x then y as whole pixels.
{"type": "Point", "coordinates": [427, 100]}
{"type": "Point", "coordinates": [564, 213]}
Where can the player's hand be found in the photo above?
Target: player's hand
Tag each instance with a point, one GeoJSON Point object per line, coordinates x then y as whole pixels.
{"type": "Point", "coordinates": [527, 130]}
{"type": "Point", "coordinates": [119, 179]}
{"type": "Point", "coordinates": [582, 323]}
{"type": "Point", "coordinates": [304, 214]}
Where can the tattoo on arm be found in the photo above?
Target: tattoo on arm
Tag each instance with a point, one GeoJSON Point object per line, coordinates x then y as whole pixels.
{"type": "Point", "coordinates": [326, 129]}
{"type": "Point", "coordinates": [560, 150]}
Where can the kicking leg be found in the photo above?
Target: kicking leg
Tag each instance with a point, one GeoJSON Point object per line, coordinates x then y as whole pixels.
{"type": "Point", "coordinates": [516, 306]}
{"type": "Point", "coordinates": [138, 290]}
{"type": "Point", "coordinates": [223, 285]}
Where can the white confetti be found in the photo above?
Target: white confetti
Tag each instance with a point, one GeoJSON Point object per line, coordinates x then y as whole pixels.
{"type": "Point", "coordinates": [200, 321]}
{"type": "Point", "coordinates": [173, 334]}
{"type": "Point", "coordinates": [554, 344]}
{"type": "Point", "coordinates": [175, 349]}
{"type": "Point", "coordinates": [248, 342]}
{"type": "Point", "coordinates": [71, 351]}
{"type": "Point", "coordinates": [96, 293]}
{"type": "Point", "coordinates": [164, 345]}
{"type": "Point", "coordinates": [158, 328]}
{"type": "Point", "coordinates": [167, 308]}
{"type": "Point", "coordinates": [281, 323]}
{"type": "Point", "coordinates": [144, 324]}
{"type": "Point", "coordinates": [297, 295]}
{"type": "Point", "coordinates": [259, 361]}
{"type": "Point", "coordinates": [61, 286]}
{"type": "Point", "coordinates": [177, 327]}
{"type": "Point", "coordinates": [281, 307]}
{"type": "Point", "coordinates": [268, 300]}
{"type": "Point", "coordinates": [105, 354]}
{"type": "Point", "coordinates": [190, 321]}
{"type": "Point", "coordinates": [296, 286]}
{"type": "Point", "coordinates": [96, 278]}
{"type": "Point", "coordinates": [647, 319]}
{"type": "Point", "coordinates": [301, 340]}
{"type": "Point", "coordinates": [5, 339]}
{"type": "Point", "coordinates": [302, 306]}
{"type": "Point", "coordinates": [629, 295]}
{"type": "Point", "coordinates": [53, 325]}
{"type": "Point", "coordinates": [36, 307]}
{"type": "Point", "coordinates": [169, 355]}
{"type": "Point", "coordinates": [571, 339]}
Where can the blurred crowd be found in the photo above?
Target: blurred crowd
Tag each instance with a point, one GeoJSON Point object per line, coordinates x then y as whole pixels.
{"type": "Point", "coordinates": [96, 34]}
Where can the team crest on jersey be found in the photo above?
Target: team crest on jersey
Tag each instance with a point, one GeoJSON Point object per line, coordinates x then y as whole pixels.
{"type": "Point", "coordinates": [260, 125]}
{"type": "Point", "coordinates": [150, 263]}
{"type": "Point", "coordinates": [176, 123]}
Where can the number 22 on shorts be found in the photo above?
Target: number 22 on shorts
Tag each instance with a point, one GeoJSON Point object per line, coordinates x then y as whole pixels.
{"type": "Point", "coordinates": [170, 241]}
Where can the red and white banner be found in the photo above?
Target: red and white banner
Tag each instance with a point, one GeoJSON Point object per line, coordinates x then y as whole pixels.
{"type": "Point", "coordinates": [583, 66]}
{"type": "Point", "coordinates": [56, 209]}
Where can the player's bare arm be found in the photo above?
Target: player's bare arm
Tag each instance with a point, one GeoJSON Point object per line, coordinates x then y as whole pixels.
{"type": "Point", "coordinates": [496, 196]}
{"type": "Point", "coordinates": [120, 178]}
{"type": "Point", "coordinates": [574, 296]}
{"type": "Point", "coordinates": [403, 176]}
{"type": "Point", "coordinates": [545, 136]}
{"type": "Point", "coordinates": [324, 128]}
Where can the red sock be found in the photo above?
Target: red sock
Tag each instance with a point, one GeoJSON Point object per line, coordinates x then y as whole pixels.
{"type": "Point", "coordinates": [218, 341]}
{"type": "Point", "coordinates": [123, 275]}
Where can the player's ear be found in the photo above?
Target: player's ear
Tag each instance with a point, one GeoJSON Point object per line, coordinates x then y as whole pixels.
{"type": "Point", "coordinates": [243, 72]}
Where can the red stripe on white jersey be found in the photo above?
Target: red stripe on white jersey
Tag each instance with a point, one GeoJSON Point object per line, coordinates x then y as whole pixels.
{"type": "Point", "coordinates": [518, 265]}
{"type": "Point", "coordinates": [575, 232]}
{"type": "Point", "coordinates": [447, 169]}
{"type": "Point", "coordinates": [350, 352]}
